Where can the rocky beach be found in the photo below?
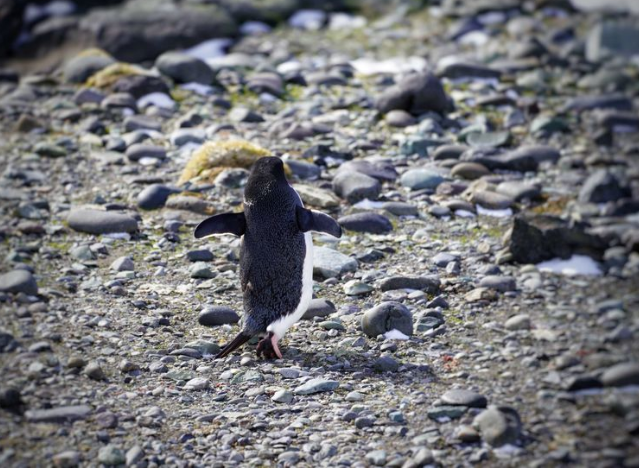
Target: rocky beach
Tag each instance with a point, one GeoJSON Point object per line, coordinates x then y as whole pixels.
{"type": "Point", "coordinates": [480, 310]}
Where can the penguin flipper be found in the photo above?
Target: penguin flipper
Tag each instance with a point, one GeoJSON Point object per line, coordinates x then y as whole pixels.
{"type": "Point", "coordinates": [234, 223]}
{"type": "Point", "coordinates": [310, 220]}
{"type": "Point", "coordinates": [239, 340]}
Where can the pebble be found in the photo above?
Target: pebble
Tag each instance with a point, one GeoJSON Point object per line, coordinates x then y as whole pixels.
{"type": "Point", "coordinates": [59, 414]}
{"type": "Point", "coordinates": [319, 307]}
{"type": "Point", "coordinates": [184, 68]}
{"type": "Point", "coordinates": [123, 263]}
{"type": "Point", "coordinates": [464, 397]}
{"type": "Point", "coordinates": [197, 384]}
{"type": "Point", "coordinates": [623, 374]}
{"type": "Point", "coordinates": [429, 284]}
{"type": "Point", "coordinates": [386, 363]}
{"type": "Point", "coordinates": [354, 186]}
{"type": "Point", "coordinates": [218, 315]}
{"type": "Point", "coordinates": [417, 179]}
{"type": "Point", "coordinates": [111, 456]}
{"type": "Point", "coordinates": [19, 281]}
{"type": "Point", "coordinates": [518, 322]}
{"type": "Point", "coordinates": [94, 371]}
{"type": "Point", "coordinates": [201, 270]}
{"type": "Point", "coordinates": [283, 397]}
{"type": "Point", "coordinates": [498, 426]}
{"type": "Point", "coordinates": [316, 385]}
{"type": "Point", "coordinates": [500, 283]}
{"type": "Point", "coordinates": [366, 222]}
{"type": "Point", "coordinates": [329, 263]}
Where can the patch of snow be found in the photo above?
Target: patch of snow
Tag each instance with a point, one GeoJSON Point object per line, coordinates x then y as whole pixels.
{"type": "Point", "coordinates": [308, 19]}
{"type": "Point", "coordinates": [501, 213]}
{"type": "Point", "coordinates": [576, 265]}
{"type": "Point", "coordinates": [366, 66]}
{"type": "Point", "coordinates": [148, 161]}
{"type": "Point", "coordinates": [161, 100]}
{"type": "Point", "coordinates": [394, 334]}
{"type": "Point", "coordinates": [507, 451]}
{"type": "Point", "coordinates": [209, 49]}
{"type": "Point", "coordinates": [345, 21]}
{"type": "Point", "coordinates": [198, 88]}
{"type": "Point", "coordinates": [125, 236]}
{"type": "Point", "coordinates": [254, 28]}
{"type": "Point", "coordinates": [464, 214]}
{"type": "Point", "coordinates": [368, 204]}
{"type": "Point", "coordinates": [289, 67]}
{"type": "Point", "coordinates": [474, 38]}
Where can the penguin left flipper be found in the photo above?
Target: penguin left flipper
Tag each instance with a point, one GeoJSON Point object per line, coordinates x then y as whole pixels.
{"type": "Point", "coordinates": [310, 220]}
{"type": "Point", "coordinates": [233, 223]}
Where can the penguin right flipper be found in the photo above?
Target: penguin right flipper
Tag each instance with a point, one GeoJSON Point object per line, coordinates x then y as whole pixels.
{"type": "Point", "coordinates": [310, 220]}
{"type": "Point", "coordinates": [234, 223]}
{"type": "Point", "coordinates": [239, 340]}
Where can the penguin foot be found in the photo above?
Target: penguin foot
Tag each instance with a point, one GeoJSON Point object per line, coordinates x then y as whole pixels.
{"type": "Point", "coordinates": [268, 347]}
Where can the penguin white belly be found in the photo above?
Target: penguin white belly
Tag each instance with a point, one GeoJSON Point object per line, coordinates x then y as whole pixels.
{"type": "Point", "coordinates": [280, 326]}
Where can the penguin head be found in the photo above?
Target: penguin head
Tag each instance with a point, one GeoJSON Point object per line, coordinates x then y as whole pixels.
{"type": "Point", "coordinates": [267, 176]}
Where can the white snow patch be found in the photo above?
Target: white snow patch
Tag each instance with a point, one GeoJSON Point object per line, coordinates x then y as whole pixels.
{"type": "Point", "coordinates": [148, 161]}
{"type": "Point", "coordinates": [307, 19]}
{"type": "Point", "coordinates": [345, 21]}
{"type": "Point", "coordinates": [157, 99]}
{"type": "Point", "coordinates": [368, 204]}
{"type": "Point", "coordinates": [125, 236]}
{"type": "Point", "coordinates": [254, 28]}
{"type": "Point", "coordinates": [507, 451]}
{"type": "Point", "coordinates": [576, 265]}
{"type": "Point", "coordinates": [209, 49]}
{"type": "Point", "coordinates": [464, 214]}
{"type": "Point", "coordinates": [394, 334]}
{"type": "Point", "coordinates": [367, 66]}
{"type": "Point", "coordinates": [198, 88]}
{"type": "Point", "coordinates": [474, 38]}
{"type": "Point", "coordinates": [501, 213]}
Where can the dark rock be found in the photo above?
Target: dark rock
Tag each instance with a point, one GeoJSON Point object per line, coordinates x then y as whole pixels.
{"type": "Point", "coordinates": [536, 238]}
{"type": "Point", "coordinates": [416, 93]}
{"type": "Point", "coordinates": [243, 114]}
{"type": "Point", "coordinates": [380, 171]}
{"type": "Point", "coordinates": [623, 374]}
{"type": "Point", "coordinates": [217, 316]}
{"type": "Point", "coordinates": [385, 363]}
{"type": "Point", "coordinates": [183, 68]}
{"type": "Point", "coordinates": [140, 85]}
{"type": "Point", "coordinates": [141, 30]}
{"type": "Point", "coordinates": [19, 281]}
{"type": "Point", "coordinates": [138, 151]}
{"type": "Point", "coordinates": [304, 170]}
{"type": "Point", "coordinates": [7, 342]}
{"type": "Point", "coordinates": [266, 82]}
{"type": "Point", "coordinates": [427, 284]}
{"type": "Point", "coordinates": [602, 186]}
{"type": "Point", "coordinates": [366, 222]}
{"type": "Point", "coordinates": [10, 398]}
{"type": "Point", "coordinates": [155, 196]}
{"type": "Point", "coordinates": [612, 39]}
{"type": "Point", "coordinates": [81, 67]}
{"type": "Point", "coordinates": [386, 317]}
{"type": "Point", "coordinates": [101, 222]}
{"type": "Point", "coordinates": [461, 69]}
{"type": "Point", "coordinates": [355, 186]}
{"type": "Point", "coordinates": [523, 159]}
{"type": "Point", "coordinates": [588, 103]}
{"type": "Point", "coordinates": [319, 307]}
{"type": "Point", "coordinates": [140, 122]}
{"type": "Point", "coordinates": [200, 255]}
{"type": "Point", "coordinates": [449, 152]}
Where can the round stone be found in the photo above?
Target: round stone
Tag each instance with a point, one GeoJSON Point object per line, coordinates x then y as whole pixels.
{"type": "Point", "coordinates": [464, 397]}
{"type": "Point", "coordinates": [101, 222]}
{"type": "Point", "coordinates": [217, 316]}
{"type": "Point", "coordinates": [469, 171]}
{"type": "Point", "coordinates": [386, 317]}
{"type": "Point", "coordinates": [19, 281]}
{"type": "Point", "coordinates": [417, 179]}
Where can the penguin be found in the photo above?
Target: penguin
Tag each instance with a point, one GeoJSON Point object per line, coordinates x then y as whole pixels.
{"type": "Point", "coordinates": [276, 255]}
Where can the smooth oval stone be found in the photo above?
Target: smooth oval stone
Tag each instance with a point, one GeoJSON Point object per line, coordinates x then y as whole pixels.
{"type": "Point", "coordinates": [217, 316]}
{"type": "Point", "coordinates": [449, 152]}
{"type": "Point", "coordinates": [184, 68]}
{"type": "Point", "coordinates": [501, 283]}
{"type": "Point", "coordinates": [19, 281]}
{"type": "Point", "coordinates": [81, 67]}
{"type": "Point", "coordinates": [498, 426]}
{"type": "Point", "coordinates": [386, 363]}
{"type": "Point", "coordinates": [416, 179]}
{"type": "Point", "coordinates": [316, 385]}
{"type": "Point", "coordinates": [366, 222]}
{"type": "Point", "coordinates": [400, 208]}
{"type": "Point", "coordinates": [140, 122]}
{"type": "Point", "coordinates": [304, 170]}
{"type": "Point", "coordinates": [101, 222]}
{"type": "Point", "coordinates": [518, 190]}
{"type": "Point", "coordinates": [518, 322]}
{"type": "Point", "coordinates": [380, 171]}
{"type": "Point", "coordinates": [491, 200]}
{"type": "Point", "coordinates": [469, 171]}
{"type": "Point", "coordinates": [602, 186]}
{"type": "Point", "coordinates": [386, 317]}
{"type": "Point", "coordinates": [426, 284]}
{"type": "Point", "coordinates": [355, 186]}
{"type": "Point", "coordinates": [623, 374]}
{"type": "Point", "coordinates": [399, 118]}
{"type": "Point", "coordinates": [464, 397]}
{"type": "Point", "coordinates": [154, 196]}
{"type": "Point", "coordinates": [417, 93]}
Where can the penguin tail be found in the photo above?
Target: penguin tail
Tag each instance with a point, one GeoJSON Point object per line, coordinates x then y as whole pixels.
{"type": "Point", "coordinates": [240, 340]}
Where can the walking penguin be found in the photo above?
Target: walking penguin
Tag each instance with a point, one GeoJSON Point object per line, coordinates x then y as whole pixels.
{"type": "Point", "coordinates": [276, 255]}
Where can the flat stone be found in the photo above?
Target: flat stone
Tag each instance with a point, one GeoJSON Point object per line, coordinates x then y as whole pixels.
{"type": "Point", "coordinates": [600, 187]}
{"type": "Point", "coordinates": [417, 179]}
{"type": "Point", "coordinates": [623, 374]}
{"type": "Point", "coordinates": [316, 385]}
{"type": "Point", "coordinates": [101, 222]}
{"type": "Point", "coordinates": [123, 263]}
{"type": "Point", "coordinates": [59, 414]}
{"type": "Point", "coordinates": [184, 68]}
{"type": "Point", "coordinates": [282, 396]}
{"type": "Point", "coordinates": [470, 171]}
{"type": "Point", "coordinates": [518, 190]}
{"type": "Point", "coordinates": [500, 283]}
{"type": "Point", "coordinates": [366, 222]}
{"type": "Point", "coordinates": [319, 307]}
{"type": "Point", "coordinates": [331, 263]}
{"type": "Point", "coordinates": [451, 412]}
{"type": "Point", "coordinates": [218, 315]}
{"type": "Point", "coordinates": [518, 322]}
{"type": "Point", "coordinates": [464, 397]}
{"type": "Point", "coordinates": [417, 93]}
{"type": "Point", "coordinates": [498, 426]}
{"type": "Point", "coordinates": [427, 284]}
{"type": "Point", "coordinates": [197, 384]}
{"type": "Point", "coordinates": [491, 200]}
{"type": "Point", "coordinates": [111, 456]}
{"type": "Point", "coordinates": [19, 281]}
{"type": "Point", "coordinates": [201, 270]}
{"type": "Point", "coordinates": [386, 363]}
{"type": "Point", "coordinates": [316, 196]}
